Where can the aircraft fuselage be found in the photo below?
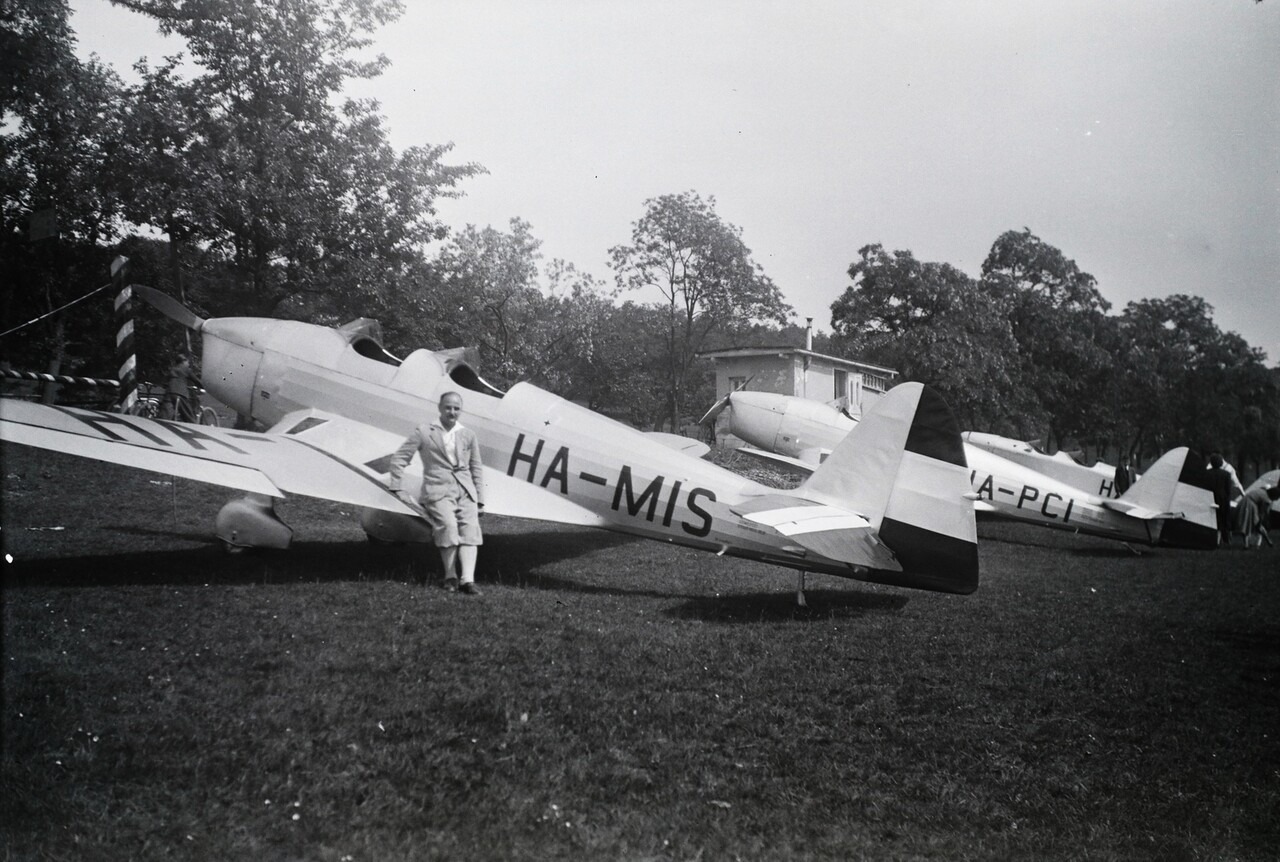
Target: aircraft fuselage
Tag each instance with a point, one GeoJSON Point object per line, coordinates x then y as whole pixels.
{"type": "Point", "coordinates": [618, 477]}
{"type": "Point", "coordinates": [807, 430]}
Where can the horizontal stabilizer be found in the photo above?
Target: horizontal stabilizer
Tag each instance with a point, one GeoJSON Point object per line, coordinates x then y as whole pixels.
{"type": "Point", "coordinates": [679, 443]}
{"type": "Point", "coordinates": [834, 533]}
{"type": "Point", "coordinates": [778, 460]}
{"type": "Point", "coordinates": [1133, 510]}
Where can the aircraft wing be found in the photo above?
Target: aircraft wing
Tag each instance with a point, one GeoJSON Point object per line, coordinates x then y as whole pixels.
{"type": "Point", "coordinates": [272, 463]}
{"type": "Point", "coordinates": [308, 452]}
{"type": "Point", "coordinates": [371, 447]}
{"type": "Point", "coordinates": [830, 531]}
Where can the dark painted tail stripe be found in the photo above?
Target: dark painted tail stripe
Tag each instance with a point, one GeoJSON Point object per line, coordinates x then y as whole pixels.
{"type": "Point", "coordinates": [1194, 470]}
{"type": "Point", "coordinates": [1180, 533]}
{"type": "Point", "coordinates": [934, 431]}
{"type": "Point", "coordinates": [930, 560]}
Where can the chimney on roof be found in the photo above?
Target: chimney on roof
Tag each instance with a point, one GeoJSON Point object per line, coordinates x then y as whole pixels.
{"type": "Point", "coordinates": [808, 333]}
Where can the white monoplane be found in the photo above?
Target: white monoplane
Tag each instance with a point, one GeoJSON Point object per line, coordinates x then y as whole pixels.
{"type": "Point", "coordinates": [800, 433]}
{"type": "Point", "coordinates": [1098, 480]}
{"type": "Point", "coordinates": [891, 503]}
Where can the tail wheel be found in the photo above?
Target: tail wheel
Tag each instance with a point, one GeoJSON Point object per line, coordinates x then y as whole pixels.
{"type": "Point", "coordinates": [208, 416]}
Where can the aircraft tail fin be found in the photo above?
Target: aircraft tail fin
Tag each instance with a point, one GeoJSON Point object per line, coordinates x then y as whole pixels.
{"type": "Point", "coordinates": [903, 468]}
{"type": "Point", "coordinates": [1175, 489]}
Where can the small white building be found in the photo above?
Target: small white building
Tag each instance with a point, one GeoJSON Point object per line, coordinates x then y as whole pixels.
{"type": "Point", "coordinates": [848, 384]}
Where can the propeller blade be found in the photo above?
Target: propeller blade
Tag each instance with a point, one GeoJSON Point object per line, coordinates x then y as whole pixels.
{"type": "Point", "coordinates": [715, 411]}
{"type": "Point", "coordinates": [169, 307]}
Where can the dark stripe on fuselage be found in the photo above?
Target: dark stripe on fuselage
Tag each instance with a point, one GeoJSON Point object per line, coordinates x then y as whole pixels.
{"type": "Point", "coordinates": [929, 560]}
{"type": "Point", "coordinates": [934, 432]}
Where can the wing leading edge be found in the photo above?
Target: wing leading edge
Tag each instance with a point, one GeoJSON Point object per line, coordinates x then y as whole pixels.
{"type": "Point", "coordinates": [308, 452]}
{"type": "Point", "coordinates": [272, 464]}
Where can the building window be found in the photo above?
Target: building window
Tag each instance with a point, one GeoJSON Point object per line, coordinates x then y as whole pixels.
{"type": "Point", "coordinates": [736, 383]}
{"type": "Point", "coordinates": [842, 383]}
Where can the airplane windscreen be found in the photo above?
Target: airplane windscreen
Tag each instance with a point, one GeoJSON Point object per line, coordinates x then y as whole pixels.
{"type": "Point", "coordinates": [465, 376]}
{"type": "Point", "coordinates": [370, 349]}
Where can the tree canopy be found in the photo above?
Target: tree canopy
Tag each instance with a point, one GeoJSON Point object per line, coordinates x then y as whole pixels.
{"type": "Point", "coordinates": [1028, 349]}
{"type": "Point", "coordinates": [257, 161]}
{"type": "Point", "coordinates": [703, 271]}
{"type": "Point", "coordinates": [931, 322]}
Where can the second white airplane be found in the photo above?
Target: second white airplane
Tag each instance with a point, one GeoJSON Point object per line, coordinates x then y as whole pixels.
{"type": "Point", "coordinates": [1162, 504]}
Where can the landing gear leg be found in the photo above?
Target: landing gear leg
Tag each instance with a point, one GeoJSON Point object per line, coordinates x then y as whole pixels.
{"type": "Point", "coordinates": [800, 600]}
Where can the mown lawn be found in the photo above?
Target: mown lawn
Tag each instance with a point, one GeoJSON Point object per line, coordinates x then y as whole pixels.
{"type": "Point", "coordinates": [612, 699]}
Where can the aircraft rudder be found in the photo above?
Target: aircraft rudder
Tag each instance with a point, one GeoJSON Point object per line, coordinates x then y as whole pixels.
{"type": "Point", "coordinates": [1177, 485]}
{"type": "Point", "coordinates": [904, 468]}
{"type": "Point", "coordinates": [929, 522]}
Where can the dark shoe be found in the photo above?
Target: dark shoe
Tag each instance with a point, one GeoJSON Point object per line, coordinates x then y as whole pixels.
{"type": "Point", "coordinates": [450, 585]}
{"type": "Point", "coordinates": [470, 589]}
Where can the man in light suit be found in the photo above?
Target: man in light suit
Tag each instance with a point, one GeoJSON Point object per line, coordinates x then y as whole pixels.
{"type": "Point", "coordinates": [452, 489]}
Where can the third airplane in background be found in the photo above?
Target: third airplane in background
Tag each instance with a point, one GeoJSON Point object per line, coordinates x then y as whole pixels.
{"type": "Point", "coordinates": [1162, 504]}
{"type": "Point", "coordinates": [1100, 479]}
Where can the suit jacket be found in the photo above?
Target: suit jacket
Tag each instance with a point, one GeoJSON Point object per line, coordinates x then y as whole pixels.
{"type": "Point", "coordinates": [439, 476]}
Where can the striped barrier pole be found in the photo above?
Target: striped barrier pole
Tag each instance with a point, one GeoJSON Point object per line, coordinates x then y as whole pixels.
{"type": "Point", "coordinates": [128, 364]}
{"type": "Point", "coordinates": [57, 378]}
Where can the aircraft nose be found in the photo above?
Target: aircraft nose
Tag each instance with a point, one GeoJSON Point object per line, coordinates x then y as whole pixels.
{"type": "Point", "coordinates": [251, 333]}
{"type": "Point", "coordinates": [233, 348]}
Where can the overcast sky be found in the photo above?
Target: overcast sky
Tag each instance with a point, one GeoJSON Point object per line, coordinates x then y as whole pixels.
{"type": "Point", "coordinates": [1142, 138]}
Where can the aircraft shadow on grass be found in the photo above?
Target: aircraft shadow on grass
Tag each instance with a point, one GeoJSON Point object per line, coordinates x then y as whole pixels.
{"type": "Point", "coordinates": [201, 536]}
{"type": "Point", "coordinates": [304, 562]}
{"type": "Point", "coordinates": [525, 554]}
{"type": "Point", "coordinates": [777, 606]}
{"type": "Point", "coordinates": [512, 559]}
{"type": "Point", "coordinates": [1042, 540]}
{"type": "Point", "coordinates": [1117, 553]}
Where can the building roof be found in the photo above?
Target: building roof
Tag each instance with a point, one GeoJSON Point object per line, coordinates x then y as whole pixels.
{"type": "Point", "coordinates": [744, 352]}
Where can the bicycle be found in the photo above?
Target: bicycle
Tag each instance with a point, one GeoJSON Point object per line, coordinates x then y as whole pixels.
{"type": "Point", "coordinates": [150, 405]}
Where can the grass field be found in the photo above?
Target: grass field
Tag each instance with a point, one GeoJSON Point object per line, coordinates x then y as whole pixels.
{"type": "Point", "coordinates": [613, 699]}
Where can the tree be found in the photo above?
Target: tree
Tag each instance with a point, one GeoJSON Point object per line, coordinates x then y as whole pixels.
{"type": "Point", "coordinates": [1185, 382]}
{"type": "Point", "coordinates": [1056, 314]}
{"type": "Point", "coordinates": [59, 127]}
{"type": "Point", "coordinates": [252, 161]}
{"type": "Point", "coordinates": [487, 291]}
{"type": "Point", "coordinates": [702, 269]}
{"type": "Point", "coordinates": [933, 324]}
{"type": "Point", "coordinates": [487, 296]}
{"type": "Point", "coordinates": [621, 368]}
